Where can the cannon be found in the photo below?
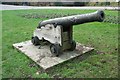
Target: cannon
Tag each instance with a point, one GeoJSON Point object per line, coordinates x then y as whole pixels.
{"type": "Point", "coordinates": [58, 31]}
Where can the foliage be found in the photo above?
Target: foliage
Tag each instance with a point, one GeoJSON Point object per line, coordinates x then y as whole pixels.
{"type": "Point", "coordinates": [113, 4]}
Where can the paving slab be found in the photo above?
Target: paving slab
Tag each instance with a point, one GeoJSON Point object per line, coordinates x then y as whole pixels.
{"type": "Point", "coordinates": [43, 57]}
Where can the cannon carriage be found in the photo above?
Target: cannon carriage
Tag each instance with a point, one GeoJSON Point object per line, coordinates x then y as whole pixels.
{"type": "Point", "coordinates": [58, 31]}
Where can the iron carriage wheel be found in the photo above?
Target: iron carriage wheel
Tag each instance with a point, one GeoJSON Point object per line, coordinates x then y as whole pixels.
{"type": "Point", "coordinates": [73, 45]}
{"type": "Point", "coordinates": [35, 40]}
{"type": "Point", "coordinates": [55, 49]}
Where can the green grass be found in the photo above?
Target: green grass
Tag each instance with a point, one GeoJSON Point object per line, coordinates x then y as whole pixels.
{"type": "Point", "coordinates": [102, 62]}
{"type": "Point", "coordinates": [0, 44]}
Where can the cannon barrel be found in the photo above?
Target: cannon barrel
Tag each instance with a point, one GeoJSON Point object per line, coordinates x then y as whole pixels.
{"type": "Point", "coordinates": [75, 19]}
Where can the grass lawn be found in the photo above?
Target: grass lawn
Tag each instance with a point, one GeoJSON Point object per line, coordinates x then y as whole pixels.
{"type": "Point", "coordinates": [102, 62]}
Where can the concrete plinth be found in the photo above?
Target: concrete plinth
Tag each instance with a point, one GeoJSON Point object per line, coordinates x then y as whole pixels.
{"type": "Point", "coordinates": [43, 57]}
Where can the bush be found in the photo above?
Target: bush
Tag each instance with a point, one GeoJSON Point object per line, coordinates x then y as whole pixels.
{"type": "Point", "coordinates": [102, 4]}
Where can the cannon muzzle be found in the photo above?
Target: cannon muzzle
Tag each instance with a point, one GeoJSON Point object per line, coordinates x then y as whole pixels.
{"type": "Point", "coordinates": [75, 19]}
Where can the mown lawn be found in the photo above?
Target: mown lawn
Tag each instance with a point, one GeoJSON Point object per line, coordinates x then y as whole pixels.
{"type": "Point", "coordinates": [102, 62]}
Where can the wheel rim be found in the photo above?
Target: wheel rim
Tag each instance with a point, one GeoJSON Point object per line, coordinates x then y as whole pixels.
{"type": "Point", "coordinates": [53, 49]}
